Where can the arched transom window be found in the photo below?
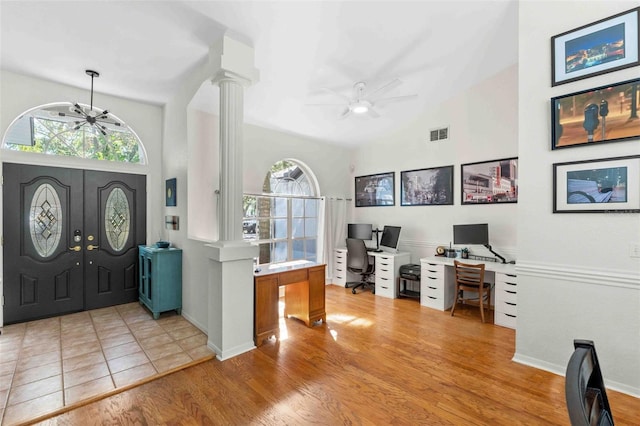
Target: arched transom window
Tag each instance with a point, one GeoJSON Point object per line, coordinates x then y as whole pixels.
{"type": "Point", "coordinates": [58, 129]}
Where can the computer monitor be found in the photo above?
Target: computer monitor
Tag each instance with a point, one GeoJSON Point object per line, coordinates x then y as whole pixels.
{"type": "Point", "coordinates": [360, 231]}
{"type": "Point", "coordinates": [471, 234]}
{"type": "Point", "coordinates": [390, 237]}
{"type": "Point", "coordinates": [474, 234]}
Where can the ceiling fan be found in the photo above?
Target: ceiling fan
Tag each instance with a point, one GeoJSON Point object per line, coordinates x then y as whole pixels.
{"type": "Point", "coordinates": [362, 101]}
{"type": "Point", "coordinates": [95, 118]}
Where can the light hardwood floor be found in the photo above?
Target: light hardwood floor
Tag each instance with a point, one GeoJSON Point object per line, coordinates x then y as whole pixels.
{"type": "Point", "coordinates": [376, 361]}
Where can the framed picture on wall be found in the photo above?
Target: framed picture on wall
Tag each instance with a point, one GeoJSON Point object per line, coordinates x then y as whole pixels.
{"type": "Point", "coordinates": [596, 116]}
{"type": "Point", "coordinates": [490, 182]}
{"type": "Point", "coordinates": [610, 185]}
{"type": "Point", "coordinates": [375, 190]}
{"type": "Point", "coordinates": [607, 45]}
{"type": "Point", "coordinates": [427, 187]}
{"type": "Point", "coordinates": [170, 193]}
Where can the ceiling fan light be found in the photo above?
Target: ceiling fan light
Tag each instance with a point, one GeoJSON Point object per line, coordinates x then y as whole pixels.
{"type": "Point", "coordinates": [360, 109]}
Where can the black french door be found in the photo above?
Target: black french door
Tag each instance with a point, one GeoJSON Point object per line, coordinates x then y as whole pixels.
{"type": "Point", "coordinates": [70, 239]}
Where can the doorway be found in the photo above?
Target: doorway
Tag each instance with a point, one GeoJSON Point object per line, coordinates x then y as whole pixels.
{"type": "Point", "coordinates": [70, 239]}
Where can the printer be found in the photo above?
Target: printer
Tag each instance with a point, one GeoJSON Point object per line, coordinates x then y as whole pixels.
{"type": "Point", "coordinates": [410, 271]}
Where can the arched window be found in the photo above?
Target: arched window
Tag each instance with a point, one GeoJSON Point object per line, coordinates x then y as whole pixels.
{"type": "Point", "coordinates": [57, 129]}
{"type": "Point", "coordinates": [284, 220]}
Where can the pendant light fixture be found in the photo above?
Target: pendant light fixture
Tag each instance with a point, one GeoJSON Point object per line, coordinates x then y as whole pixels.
{"type": "Point", "coordinates": [93, 118]}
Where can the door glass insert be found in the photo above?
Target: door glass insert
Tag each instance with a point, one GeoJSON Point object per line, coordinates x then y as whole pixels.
{"type": "Point", "coordinates": [117, 219]}
{"type": "Point", "coordinates": [45, 220]}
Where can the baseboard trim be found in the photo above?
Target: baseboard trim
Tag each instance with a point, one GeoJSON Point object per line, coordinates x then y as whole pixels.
{"type": "Point", "coordinates": [561, 369]}
{"type": "Point", "coordinates": [230, 353]}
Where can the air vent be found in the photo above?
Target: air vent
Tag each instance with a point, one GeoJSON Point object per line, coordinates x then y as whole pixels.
{"type": "Point", "coordinates": [441, 134]}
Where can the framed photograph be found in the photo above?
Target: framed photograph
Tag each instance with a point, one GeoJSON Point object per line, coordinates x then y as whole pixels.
{"type": "Point", "coordinates": [610, 185]}
{"type": "Point", "coordinates": [427, 187]}
{"type": "Point", "coordinates": [170, 193]}
{"type": "Point", "coordinates": [490, 182]}
{"type": "Point", "coordinates": [375, 190]}
{"type": "Point", "coordinates": [596, 116]}
{"type": "Point", "coordinates": [607, 45]}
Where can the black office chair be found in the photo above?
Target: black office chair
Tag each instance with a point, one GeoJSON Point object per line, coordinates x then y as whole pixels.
{"type": "Point", "coordinates": [586, 395]}
{"type": "Point", "coordinates": [358, 263]}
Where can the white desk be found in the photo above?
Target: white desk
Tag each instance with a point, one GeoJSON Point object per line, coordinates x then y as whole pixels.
{"type": "Point", "coordinates": [386, 272]}
{"type": "Point", "coordinates": [438, 286]}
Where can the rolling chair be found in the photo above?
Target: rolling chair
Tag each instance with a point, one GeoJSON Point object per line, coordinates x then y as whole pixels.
{"type": "Point", "coordinates": [470, 277]}
{"type": "Point", "coordinates": [358, 263]}
{"type": "Point", "coordinates": [586, 395]}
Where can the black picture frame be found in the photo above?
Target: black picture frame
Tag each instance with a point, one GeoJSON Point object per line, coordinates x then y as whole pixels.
{"type": "Point", "coordinates": [427, 187]}
{"type": "Point", "coordinates": [595, 116]}
{"type": "Point", "coordinates": [375, 190]}
{"type": "Point", "coordinates": [489, 182]}
{"type": "Point", "coordinates": [608, 185]}
{"type": "Point", "coordinates": [600, 47]}
{"type": "Point", "coordinates": [171, 196]}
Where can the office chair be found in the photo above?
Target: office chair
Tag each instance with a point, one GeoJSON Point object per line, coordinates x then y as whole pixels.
{"type": "Point", "coordinates": [470, 277]}
{"type": "Point", "coordinates": [585, 393]}
{"type": "Point", "coordinates": [358, 262]}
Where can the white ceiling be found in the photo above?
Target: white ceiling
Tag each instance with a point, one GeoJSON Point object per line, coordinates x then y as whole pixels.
{"type": "Point", "coordinates": [143, 48]}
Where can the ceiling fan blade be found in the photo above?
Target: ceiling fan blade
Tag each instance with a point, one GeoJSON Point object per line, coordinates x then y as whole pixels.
{"type": "Point", "coordinates": [372, 113]}
{"type": "Point", "coordinates": [324, 104]}
{"type": "Point", "coordinates": [396, 98]}
{"type": "Point", "coordinates": [345, 113]}
{"type": "Point", "coordinates": [333, 92]}
{"type": "Point", "coordinates": [380, 90]}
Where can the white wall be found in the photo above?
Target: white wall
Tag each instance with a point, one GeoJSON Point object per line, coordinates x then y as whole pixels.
{"type": "Point", "coordinates": [576, 278]}
{"type": "Point", "coordinates": [483, 126]}
{"type": "Point", "coordinates": [20, 93]}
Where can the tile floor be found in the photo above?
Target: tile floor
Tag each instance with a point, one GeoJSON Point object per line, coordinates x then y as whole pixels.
{"type": "Point", "coordinates": [51, 363]}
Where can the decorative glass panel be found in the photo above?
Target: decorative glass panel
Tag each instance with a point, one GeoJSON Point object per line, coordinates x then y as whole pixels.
{"type": "Point", "coordinates": [117, 219]}
{"type": "Point", "coordinates": [45, 220]}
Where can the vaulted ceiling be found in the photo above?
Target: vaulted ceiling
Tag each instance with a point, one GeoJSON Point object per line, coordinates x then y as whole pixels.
{"type": "Point", "coordinates": [307, 52]}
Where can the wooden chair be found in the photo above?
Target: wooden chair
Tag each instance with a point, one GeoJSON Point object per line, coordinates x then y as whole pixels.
{"type": "Point", "coordinates": [470, 277]}
{"type": "Point", "coordinates": [586, 395]}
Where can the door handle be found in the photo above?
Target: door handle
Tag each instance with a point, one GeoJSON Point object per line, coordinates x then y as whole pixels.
{"type": "Point", "coordinates": [75, 248]}
{"type": "Point", "coordinates": [92, 247]}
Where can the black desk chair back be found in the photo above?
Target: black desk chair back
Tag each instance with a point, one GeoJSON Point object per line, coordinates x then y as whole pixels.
{"type": "Point", "coordinates": [586, 395]}
{"type": "Point", "coordinates": [358, 262]}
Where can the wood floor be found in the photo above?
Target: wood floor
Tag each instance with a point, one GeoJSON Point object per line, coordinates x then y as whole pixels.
{"type": "Point", "coordinates": [376, 361]}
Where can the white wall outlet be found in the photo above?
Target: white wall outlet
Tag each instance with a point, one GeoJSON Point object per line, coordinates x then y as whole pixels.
{"type": "Point", "coordinates": [634, 250]}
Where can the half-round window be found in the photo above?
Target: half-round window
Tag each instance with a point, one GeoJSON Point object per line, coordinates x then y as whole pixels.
{"type": "Point", "coordinates": [61, 129]}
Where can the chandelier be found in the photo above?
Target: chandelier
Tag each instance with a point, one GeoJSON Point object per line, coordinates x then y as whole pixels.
{"type": "Point", "coordinates": [92, 117]}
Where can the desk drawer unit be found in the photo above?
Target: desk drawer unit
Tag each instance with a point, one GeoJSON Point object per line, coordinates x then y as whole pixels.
{"type": "Point", "coordinates": [388, 271]}
{"type": "Point", "coordinates": [340, 267]}
{"type": "Point", "coordinates": [506, 301]}
{"type": "Point", "coordinates": [385, 271]}
{"type": "Point", "coordinates": [434, 292]}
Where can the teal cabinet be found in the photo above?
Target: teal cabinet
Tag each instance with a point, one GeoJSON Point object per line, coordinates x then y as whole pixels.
{"type": "Point", "coordinates": [160, 279]}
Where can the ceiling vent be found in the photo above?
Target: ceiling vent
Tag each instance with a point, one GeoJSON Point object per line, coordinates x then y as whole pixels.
{"type": "Point", "coordinates": [441, 134]}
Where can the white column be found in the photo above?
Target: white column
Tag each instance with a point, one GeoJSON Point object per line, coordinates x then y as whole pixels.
{"type": "Point", "coordinates": [230, 323]}
{"type": "Point", "coordinates": [231, 144]}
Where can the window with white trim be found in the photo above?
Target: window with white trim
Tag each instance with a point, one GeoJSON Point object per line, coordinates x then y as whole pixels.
{"type": "Point", "coordinates": [283, 221]}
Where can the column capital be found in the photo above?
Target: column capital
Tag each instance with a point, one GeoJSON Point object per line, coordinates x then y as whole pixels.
{"type": "Point", "coordinates": [233, 60]}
